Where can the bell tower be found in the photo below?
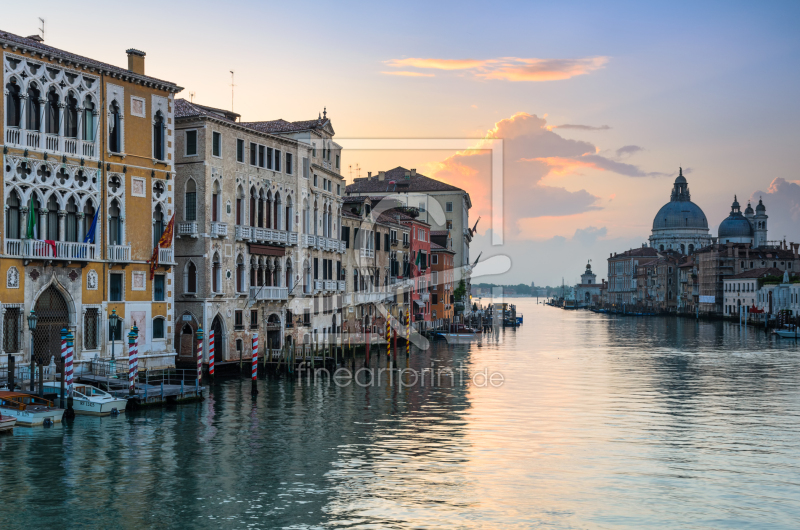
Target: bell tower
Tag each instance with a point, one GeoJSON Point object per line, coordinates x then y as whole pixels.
{"type": "Point", "coordinates": [760, 225]}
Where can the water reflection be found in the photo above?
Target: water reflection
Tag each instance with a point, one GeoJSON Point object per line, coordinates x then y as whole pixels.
{"type": "Point", "coordinates": [602, 422]}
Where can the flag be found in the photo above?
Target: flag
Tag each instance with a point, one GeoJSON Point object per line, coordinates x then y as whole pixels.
{"type": "Point", "coordinates": [31, 221]}
{"type": "Point", "coordinates": [166, 236]}
{"type": "Point", "coordinates": [52, 244]}
{"type": "Point", "coordinates": [417, 262]}
{"type": "Point", "coordinates": [153, 263]}
{"type": "Point", "coordinates": [92, 229]}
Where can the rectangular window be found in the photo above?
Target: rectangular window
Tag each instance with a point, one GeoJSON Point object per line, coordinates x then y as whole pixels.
{"type": "Point", "coordinates": [190, 206]}
{"type": "Point", "coordinates": [434, 280]}
{"type": "Point", "coordinates": [306, 317]}
{"type": "Point", "coordinates": [158, 328]}
{"type": "Point", "coordinates": [277, 160]}
{"type": "Point", "coordinates": [346, 236]}
{"type": "Point", "coordinates": [306, 167]}
{"type": "Point", "coordinates": [377, 240]}
{"type": "Point", "coordinates": [253, 154]}
{"type": "Point", "coordinates": [254, 319]}
{"type": "Point", "coordinates": [386, 242]}
{"type": "Point", "coordinates": [91, 322]}
{"type": "Point", "coordinates": [338, 190]}
{"type": "Point", "coordinates": [238, 320]}
{"type": "Point", "coordinates": [260, 156]}
{"type": "Point", "coordinates": [434, 298]}
{"type": "Point", "coordinates": [240, 150]}
{"type": "Point", "coordinates": [115, 290]}
{"type": "Point", "coordinates": [315, 180]}
{"type": "Point", "coordinates": [191, 143]}
{"type": "Point", "coordinates": [434, 259]}
{"type": "Point", "coordinates": [11, 330]}
{"type": "Point", "coordinates": [158, 288]}
{"type": "Point", "coordinates": [316, 268]}
{"type": "Point", "coordinates": [448, 207]}
{"type": "Point", "coordinates": [337, 161]}
{"type": "Point", "coordinates": [356, 242]}
{"type": "Point", "coordinates": [216, 144]}
{"type": "Point", "coordinates": [449, 224]}
{"type": "Point", "coordinates": [289, 164]}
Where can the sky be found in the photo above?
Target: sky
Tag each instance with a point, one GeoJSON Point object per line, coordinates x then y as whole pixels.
{"type": "Point", "coordinates": [597, 104]}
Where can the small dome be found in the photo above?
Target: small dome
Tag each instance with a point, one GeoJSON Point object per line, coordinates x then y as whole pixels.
{"type": "Point", "coordinates": [761, 208]}
{"type": "Point", "coordinates": [681, 179]}
{"type": "Point", "coordinates": [735, 225]}
{"type": "Point", "coordinates": [748, 210]}
{"type": "Point", "coordinates": [735, 205]}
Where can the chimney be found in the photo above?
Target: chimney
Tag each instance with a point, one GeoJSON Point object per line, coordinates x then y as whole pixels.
{"type": "Point", "coordinates": [413, 172]}
{"type": "Point", "coordinates": [135, 61]}
{"type": "Point", "coordinates": [369, 174]}
{"type": "Point", "coordinates": [381, 175]}
{"type": "Point", "coordinates": [36, 38]}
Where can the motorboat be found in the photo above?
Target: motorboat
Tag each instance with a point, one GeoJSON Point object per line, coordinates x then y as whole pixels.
{"type": "Point", "coordinates": [29, 409]}
{"type": "Point", "coordinates": [7, 423]}
{"type": "Point", "coordinates": [88, 399]}
{"type": "Point", "coordinates": [788, 333]}
{"type": "Point", "coordinates": [459, 333]}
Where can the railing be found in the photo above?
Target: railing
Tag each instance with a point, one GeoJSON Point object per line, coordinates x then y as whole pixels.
{"type": "Point", "coordinates": [88, 148]}
{"type": "Point", "coordinates": [330, 285]}
{"type": "Point", "coordinates": [13, 135]}
{"type": "Point", "coordinates": [269, 235]}
{"type": "Point", "coordinates": [394, 242]}
{"type": "Point", "coordinates": [242, 232]}
{"type": "Point", "coordinates": [292, 238]}
{"type": "Point", "coordinates": [165, 256]}
{"type": "Point", "coordinates": [119, 252]}
{"type": "Point", "coordinates": [187, 229]}
{"type": "Point", "coordinates": [367, 253]}
{"type": "Point", "coordinates": [219, 229]}
{"type": "Point", "coordinates": [308, 240]}
{"type": "Point", "coordinates": [319, 285]}
{"type": "Point", "coordinates": [62, 250]}
{"type": "Point", "coordinates": [71, 146]}
{"type": "Point", "coordinates": [265, 292]}
{"type": "Point", "coordinates": [425, 297]}
{"type": "Point", "coordinates": [341, 286]}
{"type": "Point", "coordinates": [51, 142]}
{"type": "Point", "coordinates": [32, 139]}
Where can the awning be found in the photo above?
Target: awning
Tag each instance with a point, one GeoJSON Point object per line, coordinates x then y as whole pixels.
{"type": "Point", "coordinates": [267, 250]}
{"type": "Point", "coordinates": [419, 303]}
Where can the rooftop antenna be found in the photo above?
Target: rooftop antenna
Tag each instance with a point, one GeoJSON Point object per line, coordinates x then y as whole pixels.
{"type": "Point", "coordinates": [191, 97]}
{"type": "Point", "coordinates": [42, 28]}
{"type": "Point", "coordinates": [350, 169]}
{"type": "Point", "coordinates": [232, 85]}
{"type": "Point", "coordinates": [358, 171]}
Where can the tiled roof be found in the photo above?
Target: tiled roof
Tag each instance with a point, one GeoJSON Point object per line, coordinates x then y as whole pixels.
{"type": "Point", "coordinates": [40, 47]}
{"type": "Point", "coordinates": [440, 232]}
{"type": "Point", "coordinates": [440, 248]}
{"type": "Point", "coordinates": [283, 126]}
{"type": "Point", "coordinates": [185, 109]}
{"type": "Point", "coordinates": [637, 252]}
{"type": "Point", "coordinates": [417, 182]}
{"type": "Point", "coordinates": [756, 273]}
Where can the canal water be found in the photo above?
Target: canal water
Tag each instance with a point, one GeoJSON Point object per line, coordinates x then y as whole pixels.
{"type": "Point", "coordinates": [600, 422]}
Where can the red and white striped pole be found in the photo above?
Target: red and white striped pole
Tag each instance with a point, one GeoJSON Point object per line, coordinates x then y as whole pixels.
{"type": "Point", "coordinates": [64, 365]}
{"type": "Point", "coordinates": [255, 364]}
{"type": "Point", "coordinates": [199, 355]}
{"type": "Point", "coordinates": [131, 361]}
{"type": "Point", "coordinates": [68, 363]}
{"type": "Point", "coordinates": [211, 353]}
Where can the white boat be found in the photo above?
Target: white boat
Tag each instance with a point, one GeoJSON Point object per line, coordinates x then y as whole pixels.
{"type": "Point", "coordinates": [787, 334]}
{"type": "Point", "coordinates": [28, 409]}
{"type": "Point", "coordinates": [459, 334]}
{"type": "Point", "coordinates": [88, 399]}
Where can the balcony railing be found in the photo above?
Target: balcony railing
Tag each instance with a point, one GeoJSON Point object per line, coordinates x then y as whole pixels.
{"type": "Point", "coordinates": [330, 285]}
{"type": "Point", "coordinates": [120, 253]}
{"type": "Point", "coordinates": [62, 250]}
{"type": "Point", "coordinates": [367, 253]}
{"type": "Point", "coordinates": [187, 229]}
{"type": "Point", "coordinates": [319, 285]}
{"type": "Point", "coordinates": [406, 244]}
{"type": "Point", "coordinates": [269, 235]}
{"type": "Point", "coordinates": [166, 256]}
{"type": "Point", "coordinates": [394, 242]}
{"type": "Point", "coordinates": [24, 138]}
{"type": "Point", "coordinates": [265, 292]}
{"type": "Point", "coordinates": [308, 240]}
{"type": "Point", "coordinates": [342, 285]}
{"type": "Point", "coordinates": [219, 229]}
{"type": "Point", "coordinates": [242, 232]}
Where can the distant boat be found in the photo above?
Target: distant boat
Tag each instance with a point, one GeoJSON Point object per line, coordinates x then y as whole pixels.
{"type": "Point", "coordinates": [28, 409]}
{"type": "Point", "coordinates": [787, 334]}
{"type": "Point", "coordinates": [87, 399]}
{"type": "Point", "coordinates": [459, 334]}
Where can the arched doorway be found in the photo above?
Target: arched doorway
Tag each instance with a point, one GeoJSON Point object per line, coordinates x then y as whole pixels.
{"type": "Point", "coordinates": [219, 339]}
{"type": "Point", "coordinates": [53, 313]}
{"type": "Point", "coordinates": [187, 342]}
{"type": "Point", "coordinates": [274, 332]}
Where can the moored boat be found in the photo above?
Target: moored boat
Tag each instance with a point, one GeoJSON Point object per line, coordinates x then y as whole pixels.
{"type": "Point", "coordinates": [459, 333]}
{"type": "Point", "coordinates": [788, 333]}
{"type": "Point", "coordinates": [28, 409]}
{"type": "Point", "coordinates": [7, 423]}
{"type": "Point", "coordinates": [87, 399]}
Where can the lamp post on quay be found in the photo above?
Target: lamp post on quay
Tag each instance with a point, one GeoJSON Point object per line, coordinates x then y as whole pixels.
{"type": "Point", "coordinates": [113, 320]}
{"type": "Point", "coordinates": [32, 319]}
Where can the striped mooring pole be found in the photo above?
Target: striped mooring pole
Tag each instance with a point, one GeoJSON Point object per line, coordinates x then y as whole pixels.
{"type": "Point", "coordinates": [255, 364]}
{"type": "Point", "coordinates": [63, 365]}
{"type": "Point", "coordinates": [408, 333]}
{"type": "Point", "coordinates": [199, 337]}
{"type": "Point", "coordinates": [388, 335]}
{"type": "Point", "coordinates": [68, 373]}
{"type": "Point", "coordinates": [131, 361]}
{"type": "Point", "coordinates": [211, 353]}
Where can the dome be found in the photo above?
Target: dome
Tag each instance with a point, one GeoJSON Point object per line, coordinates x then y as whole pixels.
{"type": "Point", "coordinates": [735, 225]}
{"type": "Point", "coordinates": [748, 210]}
{"type": "Point", "coordinates": [761, 208]}
{"type": "Point", "coordinates": [680, 214]}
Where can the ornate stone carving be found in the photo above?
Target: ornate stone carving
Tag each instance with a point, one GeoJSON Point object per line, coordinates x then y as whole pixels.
{"type": "Point", "coordinates": [12, 278]}
{"type": "Point", "coordinates": [91, 280]}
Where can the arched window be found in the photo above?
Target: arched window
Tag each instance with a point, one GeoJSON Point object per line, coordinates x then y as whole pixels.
{"type": "Point", "coordinates": [13, 104]}
{"type": "Point", "coordinates": [691, 249]}
{"type": "Point", "coordinates": [289, 282]}
{"type": "Point", "coordinates": [12, 216]}
{"type": "Point", "coordinates": [89, 121]}
{"type": "Point", "coordinates": [51, 112]}
{"type": "Point", "coordinates": [114, 224]}
{"type": "Point", "coordinates": [158, 328]}
{"type": "Point", "coordinates": [158, 136]}
{"type": "Point", "coordinates": [191, 278]}
{"type": "Point", "coordinates": [288, 225]}
{"type": "Point", "coordinates": [305, 217]}
{"type": "Point", "coordinates": [88, 219]}
{"type": "Point", "coordinates": [261, 209]}
{"type": "Point", "coordinates": [115, 129]}
{"type": "Point", "coordinates": [71, 117]}
{"type": "Point", "coordinates": [52, 219]}
{"type": "Point", "coordinates": [216, 275]}
{"type": "Point", "coordinates": [158, 225]}
{"type": "Point", "coordinates": [72, 221]}
{"type": "Point", "coordinates": [239, 206]}
{"type": "Point", "coordinates": [215, 204]}
{"type": "Point", "coordinates": [276, 212]}
{"type": "Point", "coordinates": [316, 217]}
{"type": "Point", "coordinates": [190, 201]}
{"type": "Point", "coordinates": [240, 274]}
{"type": "Point", "coordinates": [33, 114]}
{"type": "Point", "coordinates": [306, 278]}
{"type": "Point", "coordinates": [253, 209]}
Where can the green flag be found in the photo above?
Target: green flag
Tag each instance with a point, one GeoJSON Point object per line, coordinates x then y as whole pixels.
{"type": "Point", "coordinates": [416, 262]}
{"type": "Point", "coordinates": [31, 220]}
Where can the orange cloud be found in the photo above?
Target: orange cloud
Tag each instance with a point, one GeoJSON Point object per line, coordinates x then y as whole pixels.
{"type": "Point", "coordinates": [560, 166]}
{"type": "Point", "coordinates": [510, 68]}
{"type": "Point", "coordinates": [408, 74]}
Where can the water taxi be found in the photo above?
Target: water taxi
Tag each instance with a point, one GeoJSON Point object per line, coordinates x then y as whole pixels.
{"type": "Point", "coordinates": [28, 409]}
{"type": "Point", "coordinates": [87, 399]}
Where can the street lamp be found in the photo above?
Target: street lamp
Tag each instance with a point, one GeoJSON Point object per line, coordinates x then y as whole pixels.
{"type": "Point", "coordinates": [113, 320]}
{"type": "Point", "coordinates": [32, 319]}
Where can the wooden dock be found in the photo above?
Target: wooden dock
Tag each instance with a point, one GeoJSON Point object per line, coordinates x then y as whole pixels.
{"type": "Point", "coordinates": [146, 394]}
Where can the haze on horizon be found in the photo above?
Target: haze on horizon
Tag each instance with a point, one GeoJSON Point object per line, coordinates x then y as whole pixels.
{"type": "Point", "coordinates": [597, 106]}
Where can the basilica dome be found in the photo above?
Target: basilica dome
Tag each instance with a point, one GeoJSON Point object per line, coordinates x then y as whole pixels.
{"type": "Point", "coordinates": [735, 228]}
{"type": "Point", "coordinates": [680, 224]}
{"type": "Point", "coordinates": [680, 214]}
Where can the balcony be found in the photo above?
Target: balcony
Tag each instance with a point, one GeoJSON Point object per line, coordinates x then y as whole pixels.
{"type": "Point", "coordinates": [187, 229]}
{"type": "Point", "coordinates": [242, 233]}
{"type": "Point", "coordinates": [271, 236]}
{"type": "Point", "coordinates": [268, 293]}
{"type": "Point", "coordinates": [330, 285]}
{"type": "Point", "coordinates": [28, 139]}
{"type": "Point", "coordinates": [395, 242]}
{"type": "Point", "coordinates": [166, 256]}
{"type": "Point", "coordinates": [342, 285]}
{"type": "Point", "coordinates": [367, 253]}
{"type": "Point", "coordinates": [406, 244]}
{"type": "Point", "coordinates": [425, 297]}
{"type": "Point", "coordinates": [308, 240]}
{"type": "Point", "coordinates": [119, 253]}
{"type": "Point", "coordinates": [64, 250]}
{"type": "Point", "coordinates": [319, 285]}
{"type": "Point", "coordinates": [219, 229]}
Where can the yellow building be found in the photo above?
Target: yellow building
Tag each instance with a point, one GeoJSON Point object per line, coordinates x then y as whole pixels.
{"type": "Point", "coordinates": [84, 144]}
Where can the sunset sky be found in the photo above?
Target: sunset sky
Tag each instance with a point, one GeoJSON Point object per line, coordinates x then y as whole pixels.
{"type": "Point", "coordinates": [598, 104]}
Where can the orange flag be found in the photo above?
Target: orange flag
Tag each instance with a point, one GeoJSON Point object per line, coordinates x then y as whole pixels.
{"type": "Point", "coordinates": [164, 242]}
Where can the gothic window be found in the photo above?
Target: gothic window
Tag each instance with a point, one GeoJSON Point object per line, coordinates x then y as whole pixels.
{"type": "Point", "coordinates": [72, 221]}
{"type": "Point", "coordinates": [33, 113]}
{"type": "Point", "coordinates": [216, 275]}
{"type": "Point", "coordinates": [52, 219]}
{"type": "Point", "coordinates": [191, 278]}
{"type": "Point", "coordinates": [158, 225]}
{"type": "Point", "coordinates": [253, 209]}
{"type": "Point", "coordinates": [114, 224]}
{"type": "Point", "coordinates": [71, 117]}
{"type": "Point", "coordinates": [158, 137]}
{"type": "Point", "coordinates": [89, 121]}
{"type": "Point", "coordinates": [190, 202]}
{"type": "Point", "coordinates": [88, 219]}
{"type": "Point", "coordinates": [239, 206]}
{"type": "Point", "coordinates": [52, 112]}
{"type": "Point", "coordinates": [215, 205]}
{"type": "Point", "coordinates": [115, 129]}
{"type": "Point", "coordinates": [240, 274]}
{"type": "Point", "coordinates": [13, 216]}
{"type": "Point", "coordinates": [261, 209]}
{"type": "Point", "coordinates": [13, 104]}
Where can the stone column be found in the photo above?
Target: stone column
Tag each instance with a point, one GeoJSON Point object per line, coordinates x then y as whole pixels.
{"type": "Point", "coordinates": [62, 225]}
{"type": "Point", "coordinates": [23, 101]}
{"type": "Point", "coordinates": [81, 234]}
{"type": "Point", "coordinates": [23, 220]}
{"type": "Point", "coordinates": [42, 223]}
